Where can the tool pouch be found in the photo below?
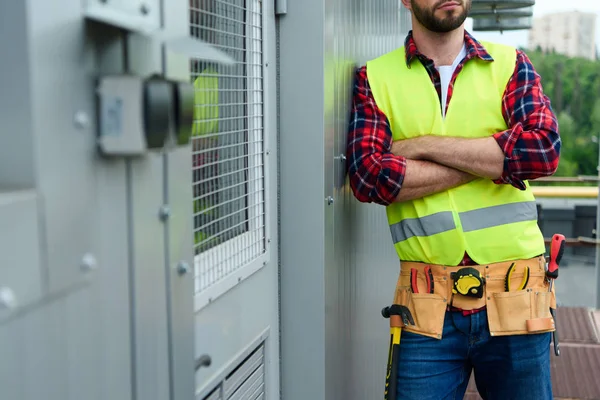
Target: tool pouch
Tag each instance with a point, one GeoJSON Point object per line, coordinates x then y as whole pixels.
{"type": "Point", "coordinates": [516, 312]}
{"type": "Point", "coordinates": [427, 309]}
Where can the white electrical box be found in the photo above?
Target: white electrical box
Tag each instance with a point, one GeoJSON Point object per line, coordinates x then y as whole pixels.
{"type": "Point", "coordinates": [142, 16]}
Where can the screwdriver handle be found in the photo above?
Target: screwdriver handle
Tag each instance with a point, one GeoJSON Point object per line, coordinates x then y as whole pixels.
{"type": "Point", "coordinates": [557, 248]}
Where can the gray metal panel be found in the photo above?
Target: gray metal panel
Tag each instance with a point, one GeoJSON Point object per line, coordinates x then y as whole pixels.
{"type": "Point", "coordinates": [61, 86]}
{"type": "Point", "coordinates": [337, 261]}
{"type": "Point", "coordinates": [302, 197]}
{"type": "Point", "coordinates": [227, 329]}
{"type": "Point", "coordinates": [151, 345]}
{"type": "Point", "coordinates": [178, 195]}
{"type": "Point", "coordinates": [231, 325]}
{"type": "Point", "coordinates": [181, 286]}
{"type": "Point", "coordinates": [19, 246]}
{"type": "Point", "coordinates": [110, 307]}
{"type": "Point", "coordinates": [74, 342]}
{"type": "Point", "coordinates": [16, 154]}
{"type": "Point", "coordinates": [365, 262]}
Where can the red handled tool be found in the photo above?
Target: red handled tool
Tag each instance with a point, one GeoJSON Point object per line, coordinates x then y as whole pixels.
{"type": "Point", "coordinates": [428, 280]}
{"type": "Point", "coordinates": [557, 248]}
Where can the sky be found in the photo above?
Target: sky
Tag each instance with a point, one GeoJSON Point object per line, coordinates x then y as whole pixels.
{"type": "Point", "coordinates": [542, 7]}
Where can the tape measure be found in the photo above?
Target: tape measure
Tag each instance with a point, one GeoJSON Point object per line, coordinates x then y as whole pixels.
{"type": "Point", "coordinates": [468, 282]}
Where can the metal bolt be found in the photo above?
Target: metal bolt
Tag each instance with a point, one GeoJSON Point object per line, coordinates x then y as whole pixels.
{"type": "Point", "coordinates": [183, 268]}
{"type": "Point", "coordinates": [88, 262]}
{"type": "Point", "coordinates": [144, 9]}
{"type": "Point", "coordinates": [7, 298]}
{"type": "Point", "coordinates": [329, 200]}
{"type": "Point", "coordinates": [342, 158]}
{"type": "Point", "coordinates": [81, 119]}
{"type": "Point", "coordinates": [164, 213]}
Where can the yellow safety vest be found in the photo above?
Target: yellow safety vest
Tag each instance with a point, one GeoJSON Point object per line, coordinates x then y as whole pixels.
{"type": "Point", "coordinates": [491, 222]}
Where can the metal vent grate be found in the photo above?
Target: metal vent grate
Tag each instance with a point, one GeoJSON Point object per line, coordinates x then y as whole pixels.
{"type": "Point", "coordinates": [228, 140]}
{"type": "Point", "coordinates": [245, 382]}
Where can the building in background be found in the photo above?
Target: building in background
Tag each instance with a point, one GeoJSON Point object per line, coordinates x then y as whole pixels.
{"type": "Point", "coordinates": [570, 33]}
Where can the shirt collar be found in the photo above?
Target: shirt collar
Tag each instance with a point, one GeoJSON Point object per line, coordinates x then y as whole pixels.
{"type": "Point", "coordinates": [474, 49]}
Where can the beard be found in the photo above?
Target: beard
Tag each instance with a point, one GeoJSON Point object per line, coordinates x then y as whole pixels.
{"type": "Point", "coordinates": [450, 22]}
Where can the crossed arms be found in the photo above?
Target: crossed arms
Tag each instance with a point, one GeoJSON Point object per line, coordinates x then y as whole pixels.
{"type": "Point", "coordinates": [383, 171]}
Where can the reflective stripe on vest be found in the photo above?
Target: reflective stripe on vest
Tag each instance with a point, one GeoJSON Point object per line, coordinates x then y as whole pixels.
{"type": "Point", "coordinates": [491, 222]}
{"type": "Point", "coordinates": [471, 220]}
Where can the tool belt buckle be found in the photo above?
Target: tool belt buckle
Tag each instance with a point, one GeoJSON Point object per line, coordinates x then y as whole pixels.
{"type": "Point", "coordinates": [468, 282]}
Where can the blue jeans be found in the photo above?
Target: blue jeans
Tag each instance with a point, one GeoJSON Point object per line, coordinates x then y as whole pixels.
{"type": "Point", "coordinates": [505, 367]}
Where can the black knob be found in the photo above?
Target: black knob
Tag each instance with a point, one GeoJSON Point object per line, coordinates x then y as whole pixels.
{"type": "Point", "coordinates": [203, 361]}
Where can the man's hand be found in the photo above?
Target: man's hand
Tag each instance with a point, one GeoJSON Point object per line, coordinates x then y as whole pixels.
{"type": "Point", "coordinates": [477, 156]}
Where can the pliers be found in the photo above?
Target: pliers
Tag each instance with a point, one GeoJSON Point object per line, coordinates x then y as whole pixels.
{"type": "Point", "coordinates": [508, 276]}
{"type": "Point", "coordinates": [428, 279]}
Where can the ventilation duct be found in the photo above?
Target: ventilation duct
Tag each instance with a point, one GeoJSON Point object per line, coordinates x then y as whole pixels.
{"type": "Point", "coordinates": [495, 5]}
{"type": "Point", "coordinates": [501, 24]}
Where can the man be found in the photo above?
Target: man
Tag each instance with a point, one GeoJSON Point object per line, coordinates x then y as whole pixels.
{"type": "Point", "coordinates": [445, 132]}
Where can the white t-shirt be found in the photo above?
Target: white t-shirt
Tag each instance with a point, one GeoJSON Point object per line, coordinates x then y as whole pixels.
{"type": "Point", "coordinates": [446, 72]}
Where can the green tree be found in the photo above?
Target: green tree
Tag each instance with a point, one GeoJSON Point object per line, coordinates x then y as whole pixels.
{"type": "Point", "coordinates": [567, 166]}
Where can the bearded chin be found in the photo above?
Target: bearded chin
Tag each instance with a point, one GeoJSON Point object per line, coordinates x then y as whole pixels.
{"type": "Point", "coordinates": [438, 25]}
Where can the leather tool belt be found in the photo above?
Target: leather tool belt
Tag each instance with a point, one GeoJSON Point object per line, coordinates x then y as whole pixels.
{"type": "Point", "coordinates": [516, 312]}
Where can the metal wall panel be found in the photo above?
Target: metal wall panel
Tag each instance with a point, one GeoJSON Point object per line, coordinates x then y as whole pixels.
{"type": "Point", "coordinates": [303, 201]}
{"type": "Point", "coordinates": [72, 340]}
{"type": "Point", "coordinates": [364, 266]}
{"type": "Point", "coordinates": [237, 283]}
{"type": "Point", "coordinates": [337, 260]}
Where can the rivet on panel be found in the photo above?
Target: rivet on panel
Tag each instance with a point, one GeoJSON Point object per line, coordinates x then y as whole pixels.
{"type": "Point", "coordinates": [144, 9]}
{"type": "Point", "coordinates": [164, 212]}
{"type": "Point", "coordinates": [183, 268]}
{"type": "Point", "coordinates": [88, 262]}
{"type": "Point", "coordinates": [7, 298]}
{"type": "Point", "coordinates": [329, 200]}
{"type": "Point", "coordinates": [81, 120]}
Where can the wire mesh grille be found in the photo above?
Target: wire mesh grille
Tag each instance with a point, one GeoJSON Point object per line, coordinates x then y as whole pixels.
{"type": "Point", "coordinates": [228, 140]}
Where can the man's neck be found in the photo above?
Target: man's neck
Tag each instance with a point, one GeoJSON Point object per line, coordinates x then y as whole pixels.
{"type": "Point", "coordinates": [442, 48]}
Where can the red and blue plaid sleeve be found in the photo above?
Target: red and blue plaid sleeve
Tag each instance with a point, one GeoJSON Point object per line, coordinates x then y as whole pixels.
{"type": "Point", "coordinates": [532, 143]}
{"type": "Point", "coordinates": [376, 175]}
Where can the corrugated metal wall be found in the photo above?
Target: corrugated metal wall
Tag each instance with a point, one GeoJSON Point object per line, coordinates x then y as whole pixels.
{"type": "Point", "coordinates": [338, 266]}
{"type": "Point", "coordinates": [362, 270]}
